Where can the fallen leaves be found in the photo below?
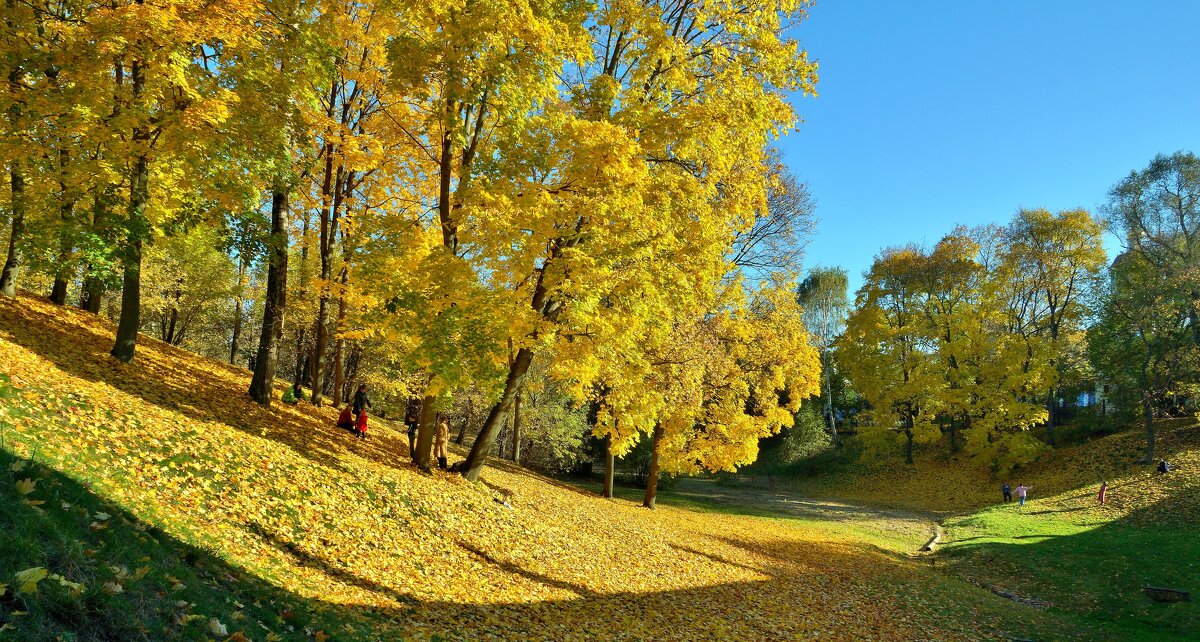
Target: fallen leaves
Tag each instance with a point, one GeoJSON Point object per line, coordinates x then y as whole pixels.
{"type": "Point", "coordinates": [286, 498]}
{"type": "Point", "coordinates": [27, 580]}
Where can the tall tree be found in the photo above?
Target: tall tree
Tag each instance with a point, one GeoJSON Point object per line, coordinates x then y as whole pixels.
{"type": "Point", "coordinates": [824, 297]}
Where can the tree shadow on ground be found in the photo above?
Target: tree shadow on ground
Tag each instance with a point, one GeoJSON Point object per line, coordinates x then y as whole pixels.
{"type": "Point", "coordinates": [1098, 574]}
{"type": "Point", "coordinates": [798, 598]}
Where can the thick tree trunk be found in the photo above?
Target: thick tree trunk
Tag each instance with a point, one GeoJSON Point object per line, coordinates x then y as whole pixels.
{"type": "Point", "coordinates": [908, 440]}
{"type": "Point", "coordinates": [516, 428]}
{"type": "Point", "coordinates": [610, 466]}
{"type": "Point", "coordinates": [274, 303]}
{"type": "Point", "coordinates": [652, 478]}
{"type": "Point", "coordinates": [92, 295]}
{"type": "Point", "coordinates": [426, 427]}
{"type": "Point", "coordinates": [473, 464]}
{"type": "Point", "coordinates": [12, 264]}
{"type": "Point", "coordinates": [131, 283]}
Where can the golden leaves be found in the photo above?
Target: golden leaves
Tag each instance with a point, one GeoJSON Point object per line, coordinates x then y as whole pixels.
{"type": "Point", "coordinates": [27, 580]}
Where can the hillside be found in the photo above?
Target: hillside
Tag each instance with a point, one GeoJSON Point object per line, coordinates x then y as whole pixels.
{"type": "Point", "coordinates": [162, 504]}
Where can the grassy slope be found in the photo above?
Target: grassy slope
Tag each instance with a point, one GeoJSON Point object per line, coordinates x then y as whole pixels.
{"type": "Point", "coordinates": [1063, 550]}
{"type": "Point", "coordinates": [228, 520]}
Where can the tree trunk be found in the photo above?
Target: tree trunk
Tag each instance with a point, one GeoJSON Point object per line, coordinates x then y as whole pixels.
{"type": "Point", "coordinates": [339, 374]}
{"type": "Point", "coordinates": [274, 302]}
{"type": "Point", "coordinates": [516, 428]}
{"type": "Point", "coordinates": [92, 295]}
{"type": "Point", "coordinates": [473, 464]}
{"type": "Point", "coordinates": [829, 397]}
{"type": "Point", "coordinates": [1148, 417]}
{"type": "Point", "coordinates": [1050, 408]}
{"type": "Point", "coordinates": [12, 264]}
{"type": "Point", "coordinates": [462, 434]}
{"type": "Point", "coordinates": [238, 301]}
{"type": "Point", "coordinates": [610, 465]}
{"type": "Point", "coordinates": [425, 432]}
{"type": "Point", "coordinates": [63, 271]}
{"type": "Point", "coordinates": [320, 341]}
{"type": "Point", "coordinates": [652, 478]}
{"type": "Point", "coordinates": [908, 436]}
{"type": "Point", "coordinates": [131, 283]}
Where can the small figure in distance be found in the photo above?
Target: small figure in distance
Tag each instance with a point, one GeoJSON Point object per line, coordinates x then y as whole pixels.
{"type": "Point", "coordinates": [1022, 490]}
{"type": "Point", "coordinates": [412, 415]}
{"type": "Point", "coordinates": [1163, 467]}
{"type": "Point", "coordinates": [1006, 490]}
{"type": "Point", "coordinates": [439, 444]}
{"type": "Point", "coordinates": [361, 403]}
{"type": "Point", "coordinates": [293, 395]}
{"type": "Point", "coordinates": [346, 419]}
{"type": "Point", "coordinates": [1102, 496]}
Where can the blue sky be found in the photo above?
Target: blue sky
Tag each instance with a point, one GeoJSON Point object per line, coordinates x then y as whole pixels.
{"type": "Point", "coordinates": [933, 114]}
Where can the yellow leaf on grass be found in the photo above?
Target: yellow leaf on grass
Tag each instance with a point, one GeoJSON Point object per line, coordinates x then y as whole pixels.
{"type": "Point", "coordinates": [25, 486]}
{"type": "Point", "coordinates": [28, 579]}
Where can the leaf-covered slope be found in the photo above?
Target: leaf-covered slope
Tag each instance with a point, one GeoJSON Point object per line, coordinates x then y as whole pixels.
{"type": "Point", "coordinates": [293, 511]}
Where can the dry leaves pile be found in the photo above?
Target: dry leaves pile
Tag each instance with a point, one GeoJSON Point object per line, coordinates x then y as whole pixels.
{"type": "Point", "coordinates": [285, 496]}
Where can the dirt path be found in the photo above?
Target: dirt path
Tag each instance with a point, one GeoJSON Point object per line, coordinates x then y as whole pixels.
{"type": "Point", "coordinates": [901, 525]}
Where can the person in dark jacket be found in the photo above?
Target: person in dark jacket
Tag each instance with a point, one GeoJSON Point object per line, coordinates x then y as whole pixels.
{"type": "Point", "coordinates": [412, 416]}
{"type": "Point", "coordinates": [1163, 467]}
{"type": "Point", "coordinates": [360, 405]}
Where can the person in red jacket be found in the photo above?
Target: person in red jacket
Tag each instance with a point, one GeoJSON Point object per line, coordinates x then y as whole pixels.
{"type": "Point", "coordinates": [346, 419]}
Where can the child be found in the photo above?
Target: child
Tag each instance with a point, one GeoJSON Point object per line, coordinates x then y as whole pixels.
{"type": "Point", "coordinates": [1006, 490]}
{"type": "Point", "coordinates": [1103, 494]}
{"type": "Point", "coordinates": [1022, 490]}
{"type": "Point", "coordinates": [439, 444]}
{"type": "Point", "coordinates": [360, 425]}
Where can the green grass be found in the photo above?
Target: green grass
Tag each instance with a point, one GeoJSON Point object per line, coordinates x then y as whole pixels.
{"type": "Point", "coordinates": [1082, 565]}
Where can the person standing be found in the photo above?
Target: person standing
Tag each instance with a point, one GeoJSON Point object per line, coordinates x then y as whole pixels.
{"type": "Point", "coordinates": [440, 442]}
{"type": "Point", "coordinates": [1022, 491]}
{"type": "Point", "coordinates": [361, 402]}
{"type": "Point", "coordinates": [412, 415]}
{"type": "Point", "coordinates": [1006, 490]}
{"type": "Point", "coordinates": [1102, 496]}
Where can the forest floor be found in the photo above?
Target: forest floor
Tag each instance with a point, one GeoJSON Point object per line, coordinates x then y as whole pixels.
{"type": "Point", "coordinates": [155, 501]}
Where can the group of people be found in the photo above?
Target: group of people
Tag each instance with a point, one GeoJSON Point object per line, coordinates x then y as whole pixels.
{"type": "Point", "coordinates": [1101, 496]}
{"type": "Point", "coordinates": [354, 419]}
{"type": "Point", "coordinates": [1021, 490]}
{"type": "Point", "coordinates": [354, 415]}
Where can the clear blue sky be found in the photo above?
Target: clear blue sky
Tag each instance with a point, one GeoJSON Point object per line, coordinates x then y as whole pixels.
{"type": "Point", "coordinates": [933, 114]}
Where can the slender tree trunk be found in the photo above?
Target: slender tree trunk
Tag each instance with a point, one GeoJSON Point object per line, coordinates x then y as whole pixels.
{"type": "Point", "coordinates": [339, 375]}
{"type": "Point", "coordinates": [462, 434]}
{"type": "Point", "coordinates": [829, 396]}
{"type": "Point", "coordinates": [610, 466]}
{"type": "Point", "coordinates": [63, 271]}
{"type": "Point", "coordinates": [908, 437]}
{"type": "Point", "coordinates": [12, 264]}
{"type": "Point", "coordinates": [238, 302]}
{"type": "Point", "coordinates": [425, 432]}
{"type": "Point", "coordinates": [1050, 412]}
{"type": "Point", "coordinates": [274, 302]}
{"type": "Point", "coordinates": [1148, 418]}
{"type": "Point", "coordinates": [516, 428]}
{"type": "Point", "coordinates": [320, 341]}
{"type": "Point", "coordinates": [652, 478]}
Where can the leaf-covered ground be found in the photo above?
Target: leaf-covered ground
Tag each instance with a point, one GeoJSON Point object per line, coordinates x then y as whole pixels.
{"type": "Point", "coordinates": [162, 504]}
